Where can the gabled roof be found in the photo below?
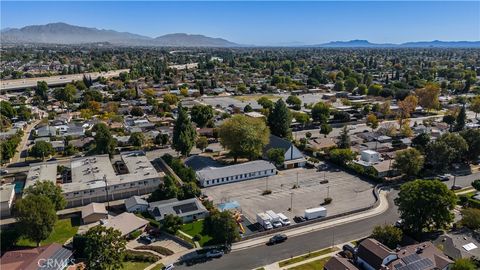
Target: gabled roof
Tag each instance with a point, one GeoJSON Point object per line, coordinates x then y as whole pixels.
{"type": "Point", "coordinates": [29, 258]}
{"type": "Point", "coordinates": [93, 208]}
{"type": "Point", "coordinates": [210, 173]}
{"type": "Point", "coordinates": [178, 208]}
{"type": "Point", "coordinates": [135, 200]}
{"type": "Point", "coordinates": [277, 142]}
{"type": "Point", "coordinates": [200, 162]}
{"type": "Point", "coordinates": [373, 252]}
{"type": "Point", "coordinates": [339, 263]}
{"type": "Point", "coordinates": [125, 223]}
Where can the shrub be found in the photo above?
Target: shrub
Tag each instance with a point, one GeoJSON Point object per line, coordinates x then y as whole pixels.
{"type": "Point", "coordinates": [140, 256]}
{"type": "Point", "coordinates": [327, 200]}
{"type": "Point", "coordinates": [267, 192]}
{"type": "Point", "coordinates": [197, 237]}
{"type": "Point", "coordinates": [160, 250]}
{"type": "Point", "coordinates": [134, 235]}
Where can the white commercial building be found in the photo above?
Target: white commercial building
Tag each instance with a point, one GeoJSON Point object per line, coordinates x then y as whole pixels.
{"type": "Point", "coordinates": [212, 176]}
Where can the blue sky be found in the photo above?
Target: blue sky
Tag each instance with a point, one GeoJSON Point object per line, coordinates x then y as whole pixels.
{"type": "Point", "coordinates": [263, 23]}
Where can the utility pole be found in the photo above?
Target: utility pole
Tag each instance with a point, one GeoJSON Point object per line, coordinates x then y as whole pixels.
{"type": "Point", "coordinates": [328, 191]}
{"type": "Point", "coordinates": [297, 179]}
{"type": "Point", "coordinates": [291, 202]}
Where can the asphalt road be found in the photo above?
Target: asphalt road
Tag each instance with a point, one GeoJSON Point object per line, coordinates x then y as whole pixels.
{"type": "Point", "coordinates": [263, 255]}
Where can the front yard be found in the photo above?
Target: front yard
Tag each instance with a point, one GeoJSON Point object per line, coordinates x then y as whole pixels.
{"type": "Point", "coordinates": [314, 265]}
{"type": "Point", "coordinates": [196, 228]}
{"type": "Point", "coordinates": [64, 229]}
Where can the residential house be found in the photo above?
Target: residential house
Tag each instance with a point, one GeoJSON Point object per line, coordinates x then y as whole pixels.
{"type": "Point", "coordinates": [52, 257]}
{"type": "Point", "coordinates": [293, 157]}
{"type": "Point", "coordinates": [188, 210]}
{"type": "Point", "coordinates": [372, 255]}
{"type": "Point", "coordinates": [94, 212]}
{"type": "Point", "coordinates": [136, 204]}
{"type": "Point", "coordinates": [126, 223]}
{"type": "Point", "coordinates": [339, 263]}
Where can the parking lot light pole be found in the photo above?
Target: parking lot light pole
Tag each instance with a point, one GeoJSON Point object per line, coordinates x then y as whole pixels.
{"type": "Point", "coordinates": [328, 191]}
{"type": "Point", "coordinates": [297, 179]}
{"type": "Point", "coordinates": [291, 202]}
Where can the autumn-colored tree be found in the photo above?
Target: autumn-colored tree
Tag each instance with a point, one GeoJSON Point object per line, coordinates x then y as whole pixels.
{"type": "Point", "coordinates": [428, 96]}
{"type": "Point", "coordinates": [407, 106]}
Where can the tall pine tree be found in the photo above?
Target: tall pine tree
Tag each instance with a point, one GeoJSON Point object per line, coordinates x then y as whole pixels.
{"type": "Point", "coordinates": [279, 119]}
{"type": "Point", "coordinates": [183, 133]}
{"type": "Point", "coordinates": [460, 121]}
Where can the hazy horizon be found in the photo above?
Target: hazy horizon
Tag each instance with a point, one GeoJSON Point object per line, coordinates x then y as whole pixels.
{"type": "Point", "coordinates": [263, 23]}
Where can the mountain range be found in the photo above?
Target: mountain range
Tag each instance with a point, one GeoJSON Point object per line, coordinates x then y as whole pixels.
{"type": "Point", "coordinates": [62, 33]}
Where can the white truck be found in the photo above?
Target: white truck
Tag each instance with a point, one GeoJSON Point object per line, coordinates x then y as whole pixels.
{"type": "Point", "coordinates": [275, 219]}
{"type": "Point", "coordinates": [317, 212]}
{"type": "Point", "coordinates": [264, 220]}
{"type": "Point", "coordinates": [285, 221]}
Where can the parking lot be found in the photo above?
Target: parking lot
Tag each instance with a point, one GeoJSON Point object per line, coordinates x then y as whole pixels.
{"type": "Point", "coordinates": [347, 191]}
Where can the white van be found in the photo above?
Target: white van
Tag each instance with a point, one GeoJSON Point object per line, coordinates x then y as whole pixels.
{"type": "Point", "coordinates": [283, 219]}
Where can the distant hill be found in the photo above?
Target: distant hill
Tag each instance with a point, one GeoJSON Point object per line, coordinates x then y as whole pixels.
{"type": "Point", "coordinates": [421, 44]}
{"type": "Point", "coordinates": [62, 33]}
{"type": "Point", "coordinates": [186, 40]}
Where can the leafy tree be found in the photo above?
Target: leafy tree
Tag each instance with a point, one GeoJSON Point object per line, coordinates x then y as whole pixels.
{"type": "Point", "coordinates": [388, 235]}
{"type": "Point", "coordinates": [201, 115]}
{"type": "Point", "coordinates": [171, 223]}
{"type": "Point", "coordinates": [457, 144]}
{"type": "Point", "coordinates": [449, 119]}
{"type": "Point", "coordinates": [265, 103]}
{"type": "Point", "coordinates": [50, 190]}
{"type": "Point", "coordinates": [248, 108]}
{"type": "Point", "coordinates": [471, 218]}
{"type": "Point", "coordinates": [222, 226]}
{"type": "Point", "coordinates": [183, 133]}
{"type": "Point", "coordinates": [202, 143]}
{"type": "Point", "coordinates": [104, 141]}
{"type": "Point", "coordinates": [344, 140]}
{"type": "Point", "coordinates": [170, 99]}
{"type": "Point", "coordinates": [425, 205]}
{"type": "Point", "coordinates": [362, 89]}
{"type": "Point", "coordinates": [24, 113]}
{"type": "Point", "coordinates": [279, 119]}
{"type": "Point", "coordinates": [374, 89]}
{"type": "Point", "coordinates": [321, 112]}
{"type": "Point", "coordinates": [37, 216]}
{"type": "Point", "coordinates": [137, 139]}
{"type": "Point", "coordinates": [463, 264]}
{"type": "Point", "coordinates": [428, 96]}
{"type": "Point", "coordinates": [350, 84]}
{"type": "Point", "coordinates": [166, 190]}
{"type": "Point", "coordinates": [190, 190]}
{"type": "Point", "coordinates": [276, 155]}
{"type": "Point", "coordinates": [325, 129]}
{"type": "Point", "coordinates": [42, 149]}
{"type": "Point", "coordinates": [294, 102]}
{"type": "Point", "coordinates": [341, 156]}
{"type": "Point", "coordinates": [42, 90]}
{"type": "Point", "coordinates": [104, 248]}
{"type": "Point", "coordinates": [460, 121]}
{"type": "Point", "coordinates": [475, 105]}
{"type": "Point", "coordinates": [408, 161]}
{"type": "Point", "coordinates": [136, 111]}
{"type": "Point", "coordinates": [421, 141]}
{"type": "Point", "coordinates": [244, 136]}
{"type": "Point", "coordinates": [66, 94]}
{"type": "Point", "coordinates": [7, 110]}
{"type": "Point", "coordinates": [438, 155]}
{"type": "Point", "coordinates": [372, 121]}
{"type": "Point", "coordinates": [161, 139]}
{"type": "Point", "coordinates": [476, 184]}
{"type": "Point", "coordinates": [339, 86]}
{"type": "Point", "coordinates": [472, 137]}
{"type": "Point", "coordinates": [407, 106]}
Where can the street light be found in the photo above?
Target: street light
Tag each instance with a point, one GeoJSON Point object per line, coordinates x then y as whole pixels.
{"type": "Point", "coordinates": [291, 202]}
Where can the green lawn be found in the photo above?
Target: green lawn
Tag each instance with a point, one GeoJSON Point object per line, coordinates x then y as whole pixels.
{"type": "Point", "coordinates": [307, 256]}
{"type": "Point", "coordinates": [158, 267]}
{"type": "Point", "coordinates": [135, 265]}
{"type": "Point", "coordinates": [64, 229]}
{"type": "Point", "coordinates": [196, 228]}
{"type": "Point", "coordinates": [314, 265]}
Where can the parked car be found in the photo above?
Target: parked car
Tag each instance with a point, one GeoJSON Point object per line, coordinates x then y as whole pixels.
{"type": "Point", "coordinates": [3, 171]}
{"type": "Point", "coordinates": [278, 238]}
{"type": "Point", "coordinates": [456, 187]}
{"type": "Point", "coordinates": [399, 223]}
{"type": "Point", "coordinates": [214, 254]}
{"type": "Point", "coordinates": [147, 239]}
{"type": "Point", "coordinates": [445, 177]}
{"type": "Point", "coordinates": [168, 267]}
{"type": "Point", "coordinates": [298, 219]}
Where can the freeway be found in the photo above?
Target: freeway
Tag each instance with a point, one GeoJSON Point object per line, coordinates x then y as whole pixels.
{"type": "Point", "coordinates": [263, 255]}
{"type": "Point", "coordinates": [18, 84]}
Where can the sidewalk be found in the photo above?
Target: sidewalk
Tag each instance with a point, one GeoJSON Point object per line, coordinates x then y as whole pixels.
{"type": "Point", "coordinates": [276, 266]}
{"type": "Point", "coordinates": [382, 207]}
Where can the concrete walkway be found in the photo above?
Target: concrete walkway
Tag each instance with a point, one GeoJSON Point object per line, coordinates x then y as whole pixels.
{"type": "Point", "coordinates": [382, 207]}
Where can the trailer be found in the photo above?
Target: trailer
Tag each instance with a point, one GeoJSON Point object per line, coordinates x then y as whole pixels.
{"type": "Point", "coordinates": [275, 219]}
{"type": "Point", "coordinates": [313, 213]}
{"type": "Point", "coordinates": [264, 220]}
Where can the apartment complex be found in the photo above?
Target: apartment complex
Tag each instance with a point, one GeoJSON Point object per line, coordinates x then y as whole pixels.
{"type": "Point", "coordinates": [96, 179]}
